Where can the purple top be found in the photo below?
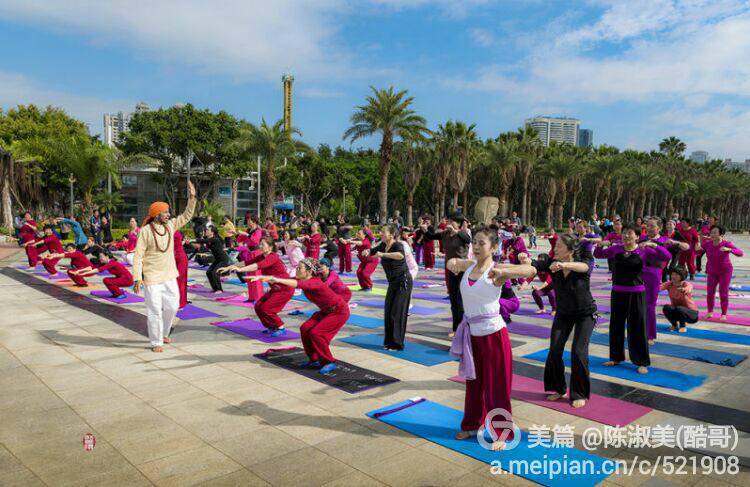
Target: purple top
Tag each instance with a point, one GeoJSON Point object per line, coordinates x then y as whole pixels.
{"type": "Point", "coordinates": [628, 267]}
{"type": "Point", "coordinates": [588, 246]}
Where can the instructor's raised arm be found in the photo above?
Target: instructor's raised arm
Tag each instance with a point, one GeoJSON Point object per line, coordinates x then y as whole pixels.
{"type": "Point", "coordinates": [187, 215]}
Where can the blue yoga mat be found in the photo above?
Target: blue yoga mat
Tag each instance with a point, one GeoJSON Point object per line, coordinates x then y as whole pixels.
{"type": "Point", "coordinates": [681, 351]}
{"type": "Point", "coordinates": [438, 423]}
{"type": "Point", "coordinates": [301, 297]}
{"type": "Point", "coordinates": [656, 376]}
{"type": "Point", "coordinates": [413, 352]}
{"type": "Point", "coordinates": [716, 336]}
{"type": "Point", "coordinates": [415, 310]}
{"type": "Point", "coordinates": [740, 288]}
{"type": "Point", "coordinates": [356, 320]}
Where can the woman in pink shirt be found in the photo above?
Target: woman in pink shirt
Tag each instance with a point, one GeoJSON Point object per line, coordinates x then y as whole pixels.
{"type": "Point", "coordinates": [682, 309]}
{"type": "Point", "coordinates": [718, 269]}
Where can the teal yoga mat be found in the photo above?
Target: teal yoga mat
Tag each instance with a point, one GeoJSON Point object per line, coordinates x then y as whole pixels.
{"type": "Point", "coordinates": [413, 352]}
{"type": "Point", "coordinates": [656, 376]}
{"type": "Point", "coordinates": [681, 351]}
{"type": "Point", "coordinates": [438, 423]}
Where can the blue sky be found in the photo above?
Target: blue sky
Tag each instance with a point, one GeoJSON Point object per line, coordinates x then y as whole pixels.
{"type": "Point", "coordinates": [633, 71]}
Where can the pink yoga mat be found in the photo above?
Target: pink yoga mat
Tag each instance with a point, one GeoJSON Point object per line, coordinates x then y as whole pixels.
{"type": "Point", "coordinates": [130, 298]}
{"type": "Point", "coordinates": [254, 329]}
{"type": "Point", "coordinates": [601, 409]}
{"type": "Point", "coordinates": [731, 319]}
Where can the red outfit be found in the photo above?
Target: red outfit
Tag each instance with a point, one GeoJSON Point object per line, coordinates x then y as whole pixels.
{"type": "Point", "coordinates": [719, 271]}
{"type": "Point", "coordinates": [367, 265]}
{"type": "Point", "coordinates": [428, 247]}
{"type": "Point", "coordinates": [552, 242]}
{"type": "Point", "coordinates": [492, 387]}
{"type": "Point", "coordinates": [318, 331]}
{"type": "Point", "coordinates": [271, 303]}
{"type": "Point", "coordinates": [272, 231]}
{"type": "Point", "coordinates": [121, 277]}
{"type": "Point", "coordinates": [442, 226]}
{"type": "Point", "coordinates": [28, 234]}
{"type": "Point", "coordinates": [181, 260]}
{"type": "Point", "coordinates": [78, 260]}
{"type": "Point", "coordinates": [312, 246]}
{"type": "Point", "coordinates": [345, 257]}
{"type": "Point", "coordinates": [337, 286]}
{"type": "Point", "coordinates": [254, 288]}
{"type": "Point", "coordinates": [53, 245]}
{"type": "Point", "coordinates": [687, 257]}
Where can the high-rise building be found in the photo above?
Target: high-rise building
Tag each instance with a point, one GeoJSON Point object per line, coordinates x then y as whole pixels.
{"type": "Point", "coordinates": [699, 156]}
{"type": "Point", "coordinates": [585, 138]}
{"type": "Point", "coordinates": [115, 124]}
{"type": "Point", "coordinates": [555, 129]}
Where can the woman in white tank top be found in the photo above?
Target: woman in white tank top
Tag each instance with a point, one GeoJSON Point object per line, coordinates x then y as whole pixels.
{"type": "Point", "coordinates": [482, 342]}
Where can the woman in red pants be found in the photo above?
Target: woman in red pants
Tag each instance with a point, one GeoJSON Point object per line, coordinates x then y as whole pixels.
{"type": "Point", "coordinates": [690, 237]}
{"type": "Point", "coordinates": [322, 327]}
{"type": "Point", "coordinates": [428, 246]}
{"type": "Point", "coordinates": [181, 260]}
{"type": "Point", "coordinates": [367, 263]}
{"type": "Point", "coordinates": [121, 276]}
{"type": "Point", "coordinates": [271, 303]}
{"type": "Point", "coordinates": [251, 242]}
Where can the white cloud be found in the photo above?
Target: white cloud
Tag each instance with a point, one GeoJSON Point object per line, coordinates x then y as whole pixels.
{"type": "Point", "coordinates": [16, 89]}
{"type": "Point", "coordinates": [482, 37]}
{"type": "Point", "coordinates": [319, 93]}
{"type": "Point", "coordinates": [243, 38]}
{"type": "Point", "coordinates": [450, 8]}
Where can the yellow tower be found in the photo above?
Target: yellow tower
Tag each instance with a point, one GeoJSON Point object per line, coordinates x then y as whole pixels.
{"type": "Point", "coordinates": [287, 79]}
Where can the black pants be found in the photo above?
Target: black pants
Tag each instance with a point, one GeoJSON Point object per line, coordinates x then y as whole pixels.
{"type": "Point", "coordinates": [628, 308]}
{"type": "Point", "coordinates": [213, 274]}
{"type": "Point", "coordinates": [554, 369]}
{"type": "Point", "coordinates": [679, 315]}
{"type": "Point", "coordinates": [454, 293]}
{"type": "Point", "coordinates": [396, 312]}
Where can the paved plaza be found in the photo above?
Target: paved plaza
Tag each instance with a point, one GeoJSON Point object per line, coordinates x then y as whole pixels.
{"type": "Point", "coordinates": [206, 412]}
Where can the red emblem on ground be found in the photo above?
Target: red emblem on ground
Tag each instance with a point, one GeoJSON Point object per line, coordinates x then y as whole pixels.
{"type": "Point", "coordinates": [89, 442]}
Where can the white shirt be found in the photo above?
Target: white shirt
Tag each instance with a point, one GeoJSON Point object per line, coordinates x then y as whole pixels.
{"type": "Point", "coordinates": [482, 298]}
{"type": "Point", "coordinates": [411, 263]}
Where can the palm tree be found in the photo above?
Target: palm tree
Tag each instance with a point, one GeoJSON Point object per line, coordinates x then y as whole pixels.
{"type": "Point", "coordinates": [414, 156]}
{"type": "Point", "coordinates": [500, 154]}
{"type": "Point", "coordinates": [603, 168]}
{"type": "Point", "coordinates": [672, 147]}
{"type": "Point", "coordinates": [273, 144]}
{"type": "Point", "coordinates": [387, 112]}
{"type": "Point", "coordinates": [562, 162]}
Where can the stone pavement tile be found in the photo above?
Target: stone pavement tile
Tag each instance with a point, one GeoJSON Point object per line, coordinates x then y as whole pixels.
{"type": "Point", "coordinates": [357, 478]}
{"type": "Point", "coordinates": [13, 472]}
{"type": "Point", "coordinates": [22, 427]}
{"type": "Point", "coordinates": [281, 409]}
{"type": "Point", "coordinates": [637, 478]}
{"type": "Point", "coordinates": [224, 381]}
{"type": "Point", "coordinates": [211, 418]}
{"type": "Point", "coordinates": [18, 340]}
{"type": "Point", "coordinates": [251, 393]}
{"type": "Point", "coordinates": [485, 473]}
{"type": "Point", "coordinates": [307, 466]}
{"type": "Point", "coordinates": [30, 398]}
{"type": "Point", "coordinates": [44, 355]}
{"type": "Point", "coordinates": [65, 462]}
{"type": "Point", "coordinates": [158, 394]}
{"type": "Point", "coordinates": [242, 477]}
{"type": "Point", "coordinates": [159, 441]}
{"type": "Point", "coordinates": [415, 467]}
{"type": "Point", "coordinates": [195, 370]}
{"type": "Point", "coordinates": [463, 461]}
{"type": "Point", "coordinates": [189, 467]}
{"type": "Point", "coordinates": [361, 447]}
{"type": "Point", "coordinates": [315, 429]}
{"type": "Point", "coordinates": [258, 446]}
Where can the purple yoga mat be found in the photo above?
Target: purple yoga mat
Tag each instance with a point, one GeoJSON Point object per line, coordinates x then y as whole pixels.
{"type": "Point", "coordinates": [190, 312]}
{"type": "Point", "coordinates": [59, 275]}
{"type": "Point", "coordinates": [415, 310]}
{"type": "Point", "coordinates": [208, 292]}
{"type": "Point", "coordinates": [415, 283]}
{"type": "Point", "coordinates": [254, 329]}
{"type": "Point", "coordinates": [131, 298]}
{"type": "Point", "coordinates": [517, 328]}
{"type": "Point", "coordinates": [601, 409]}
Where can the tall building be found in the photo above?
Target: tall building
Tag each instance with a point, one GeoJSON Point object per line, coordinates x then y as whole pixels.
{"type": "Point", "coordinates": [699, 156]}
{"type": "Point", "coordinates": [556, 129]}
{"type": "Point", "coordinates": [115, 124]}
{"type": "Point", "coordinates": [585, 138]}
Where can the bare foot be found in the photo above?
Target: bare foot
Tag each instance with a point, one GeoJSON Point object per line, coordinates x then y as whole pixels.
{"type": "Point", "coordinates": [540, 311]}
{"type": "Point", "coordinates": [555, 397]}
{"type": "Point", "coordinates": [553, 313]}
{"type": "Point", "coordinates": [610, 363]}
{"type": "Point", "coordinates": [651, 342]}
{"type": "Point", "coordinates": [451, 334]}
{"type": "Point", "coordinates": [498, 445]}
{"type": "Point", "coordinates": [642, 370]}
{"type": "Point", "coordinates": [463, 435]}
{"type": "Point", "coordinates": [578, 403]}
{"type": "Point", "coordinates": [723, 318]}
{"type": "Point", "coordinates": [683, 330]}
{"type": "Point", "coordinates": [157, 349]}
{"type": "Point", "coordinates": [167, 340]}
{"type": "Point", "coordinates": [708, 316]}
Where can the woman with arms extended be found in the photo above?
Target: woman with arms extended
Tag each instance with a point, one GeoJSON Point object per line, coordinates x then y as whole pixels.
{"type": "Point", "coordinates": [271, 303]}
{"type": "Point", "coordinates": [393, 258]}
{"type": "Point", "coordinates": [481, 339]}
{"type": "Point", "coordinates": [318, 331]}
{"type": "Point", "coordinates": [575, 313]}
{"type": "Point", "coordinates": [719, 269]}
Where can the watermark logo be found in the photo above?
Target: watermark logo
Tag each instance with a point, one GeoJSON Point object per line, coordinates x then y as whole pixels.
{"type": "Point", "coordinates": [505, 424]}
{"type": "Point", "coordinates": [89, 442]}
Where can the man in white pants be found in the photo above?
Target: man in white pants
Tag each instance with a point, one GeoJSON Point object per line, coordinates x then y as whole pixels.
{"type": "Point", "coordinates": [154, 268]}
